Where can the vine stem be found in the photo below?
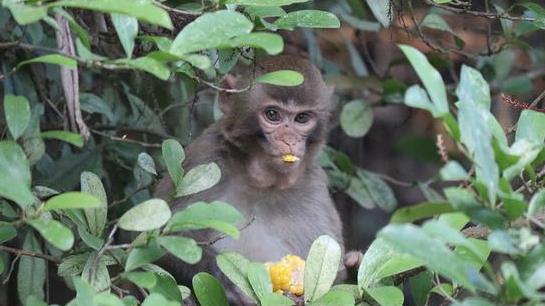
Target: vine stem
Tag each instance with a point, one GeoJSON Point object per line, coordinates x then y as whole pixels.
{"type": "Point", "coordinates": [19, 252]}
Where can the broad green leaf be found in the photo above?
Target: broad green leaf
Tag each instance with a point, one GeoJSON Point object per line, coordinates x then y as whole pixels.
{"type": "Point", "coordinates": [264, 11]}
{"type": "Point", "coordinates": [146, 216]}
{"type": "Point", "coordinates": [54, 232]}
{"type": "Point", "coordinates": [143, 10]}
{"type": "Point", "coordinates": [156, 299]}
{"type": "Point", "coordinates": [321, 267]}
{"type": "Point", "coordinates": [503, 242]}
{"type": "Point", "coordinates": [108, 299]}
{"type": "Point", "coordinates": [200, 215]}
{"type": "Point", "coordinates": [23, 13]}
{"type": "Point", "coordinates": [259, 279]}
{"type": "Point", "coordinates": [72, 138]}
{"type": "Point", "coordinates": [356, 118]}
{"type": "Point", "coordinates": [387, 295]}
{"type": "Point", "coordinates": [72, 200]}
{"type": "Point", "coordinates": [307, 19]}
{"type": "Point", "coordinates": [210, 31]}
{"type": "Point", "coordinates": [174, 155]}
{"type": "Point", "coordinates": [358, 191]}
{"type": "Point", "coordinates": [435, 255]}
{"type": "Point", "coordinates": [430, 77]}
{"type": "Point", "coordinates": [208, 290]}
{"type": "Point", "coordinates": [263, 2]}
{"type": "Point", "coordinates": [34, 301]}
{"type": "Point", "coordinates": [182, 247]}
{"type": "Point", "coordinates": [15, 178]}
{"type": "Point", "coordinates": [31, 273]}
{"type": "Point", "coordinates": [199, 61]}
{"type": "Point", "coordinates": [127, 29]}
{"type": "Point", "coordinates": [537, 203]}
{"type": "Point", "coordinates": [166, 284]}
{"type": "Point", "coordinates": [270, 42]}
{"type": "Point", "coordinates": [7, 232]}
{"type": "Point", "coordinates": [465, 201]}
{"type": "Point", "coordinates": [235, 267]}
{"type": "Point", "coordinates": [85, 294]}
{"type": "Point", "coordinates": [420, 211]}
{"type": "Point", "coordinates": [453, 171]}
{"type": "Point", "coordinates": [417, 97]}
{"type": "Point", "coordinates": [145, 161]}
{"type": "Point", "coordinates": [52, 59]}
{"type": "Point", "coordinates": [96, 217]}
{"type": "Point", "coordinates": [143, 255]}
{"type": "Point", "coordinates": [281, 78]}
{"type": "Point", "coordinates": [474, 301]}
{"type": "Point", "coordinates": [89, 239]}
{"type": "Point", "coordinates": [94, 104]}
{"type": "Point", "coordinates": [72, 265]}
{"type": "Point", "coordinates": [142, 279]}
{"type": "Point", "coordinates": [378, 190]}
{"type": "Point", "coordinates": [382, 260]}
{"type": "Point", "coordinates": [147, 64]}
{"type": "Point", "coordinates": [276, 299]}
{"type": "Point", "coordinates": [199, 178]}
{"type": "Point", "coordinates": [473, 88]}
{"type": "Point", "coordinates": [420, 285]}
{"type": "Point", "coordinates": [17, 111]}
{"type": "Point", "coordinates": [334, 298]}
{"type": "Point", "coordinates": [96, 273]}
{"type": "Point", "coordinates": [381, 11]}
{"type": "Point", "coordinates": [531, 126]}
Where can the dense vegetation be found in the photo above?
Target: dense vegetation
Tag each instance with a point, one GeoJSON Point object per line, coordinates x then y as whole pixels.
{"type": "Point", "coordinates": [100, 97]}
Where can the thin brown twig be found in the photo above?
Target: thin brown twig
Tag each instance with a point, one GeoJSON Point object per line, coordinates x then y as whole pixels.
{"type": "Point", "coordinates": [127, 140]}
{"type": "Point", "coordinates": [487, 15]}
{"type": "Point", "coordinates": [11, 268]}
{"type": "Point", "coordinates": [19, 252]}
{"type": "Point", "coordinates": [222, 236]}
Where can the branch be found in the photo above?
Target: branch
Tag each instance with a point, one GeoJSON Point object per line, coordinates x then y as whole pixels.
{"type": "Point", "coordinates": [29, 253]}
{"type": "Point", "coordinates": [487, 15]}
{"type": "Point", "coordinates": [219, 237]}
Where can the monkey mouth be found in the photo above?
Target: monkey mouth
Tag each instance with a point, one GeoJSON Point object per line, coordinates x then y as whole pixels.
{"type": "Point", "coordinates": [290, 158]}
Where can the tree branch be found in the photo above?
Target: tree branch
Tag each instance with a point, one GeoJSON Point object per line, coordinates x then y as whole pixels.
{"type": "Point", "coordinates": [19, 252]}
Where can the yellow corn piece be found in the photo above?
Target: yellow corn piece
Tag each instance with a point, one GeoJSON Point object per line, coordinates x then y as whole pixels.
{"type": "Point", "coordinates": [287, 274]}
{"type": "Point", "coordinates": [289, 158]}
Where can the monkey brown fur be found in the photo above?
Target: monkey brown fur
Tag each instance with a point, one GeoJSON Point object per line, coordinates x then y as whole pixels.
{"type": "Point", "coordinates": [289, 202]}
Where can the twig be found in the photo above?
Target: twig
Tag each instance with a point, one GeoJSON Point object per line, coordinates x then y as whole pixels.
{"type": "Point", "coordinates": [487, 15]}
{"type": "Point", "coordinates": [216, 87]}
{"type": "Point", "coordinates": [219, 237]}
{"type": "Point", "coordinates": [127, 140]}
{"type": "Point", "coordinates": [178, 11]}
{"type": "Point", "coordinates": [127, 197]}
{"type": "Point", "coordinates": [395, 181]}
{"type": "Point", "coordinates": [19, 252]}
{"type": "Point", "coordinates": [11, 268]}
{"type": "Point", "coordinates": [105, 246]}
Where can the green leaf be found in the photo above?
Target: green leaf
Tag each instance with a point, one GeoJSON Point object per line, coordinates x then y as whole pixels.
{"type": "Point", "coordinates": [156, 299]}
{"type": "Point", "coordinates": [15, 178]}
{"type": "Point", "coordinates": [31, 273]}
{"type": "Point", "coordinates": [335, 298]}
{"type": "Point", "coordinates": [453, 171]}
{"type": "Point", "coordinates": [381, 11]}
{"type": "Point", "coordinates": [184, 248]}
{"type": "Point", "coordinates": [474, 301]}
{"type": "Point", "coordinates": [17, 111]}
{"type": "Point", "coordinates": [54, 232]}
{"type": "Point", "coordinates": [417, 97]}
{"type": "Point", "coordinates": [73, 265]}
{"type": "Point", "coordinates": [34, 301]}
{"type": "Point", "coordinates": [259, 279]}
{"type": "Point", "coordinates": [531, 126]}
{"type": "Point", "coordinates": [143, 255]}
{"type": "Point", "coordinates": [166, 284]}
{"type": "Point", "coordinates": [96, 217]}
{"type": "Point", "coordinates": [321, 267]}
{"type": "Point", "coordinates": [264, 2]}
{"type": "Point", "coordinates": [473, 87]}
{"type": "Point", "coordinates": [7, 232]}
{"type": "Point", "coordinates": [307, 19]}
{"type": "Point", "coordinates": [200, 215]}
{"type": "Point", "coordinates": [537, 203]}
{"type": "Point", "coordinates": [72, 200]}
{"type": "Point", "coordinates": [356, 118]}
{"type": "Point", "coordinates": [108, 299]}
{"type": "Point", "coordinates": [72, 138]}
{"type": "Point", "coordinates": [127, 29]}
{"type": "Point", "coordinates": [174, 155]}
{"type": "Point", "coordinates": [147, 64]}
{"type": "Point", "coordinates": [146, 216]}
{"type": "Point", "coordinates": [420, 211]}
{"type": "Point", "coordinates": [434, 254]}
{"type": "Point", "coordinates": [270, 42]}
{"type": "Point", "coordinates": [281, 78]}
{"type": "Point", "coordinates": [199, 178]}
{"type": "Point", "coordinates": [51, 59]}
{"type": "Point", "coordinates": [210, 31]}
{"type": "Point", "coordinates": [143, 10]}
{"type": "Point", "coordinates": [85, 295]}
{"type": "Point", "coordinates": [96, 273]}
{"type": "Point", "coordinates": [142, 279]}
{"type": "Point", "coordinates": [235, 267]}
{"type": "Point", "coordinates": [430, 77]}
{"type": "Point", "coordinates": [276, 299]}
{"type": "Point", "coordinates": [145, 161]}
{"type": "Point", "coordinates": [23, 13]}
{"type": "Point", "coordinates": [208, 290]}
{"type": "Point", "coordinates": [381, 194]}
{"type": "Point", "coordinates": [387, 295]}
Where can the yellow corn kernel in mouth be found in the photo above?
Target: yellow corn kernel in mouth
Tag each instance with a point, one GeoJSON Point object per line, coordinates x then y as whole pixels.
{"type": "Point", "coordinates": [289, 158]}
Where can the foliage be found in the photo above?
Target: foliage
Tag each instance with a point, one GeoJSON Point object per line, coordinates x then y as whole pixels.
{"type": "Point", "coordinates": [69, 183]}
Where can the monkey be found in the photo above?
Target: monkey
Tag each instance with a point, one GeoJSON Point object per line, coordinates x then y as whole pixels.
{"type": "Point", "coordinates": [266, 145]}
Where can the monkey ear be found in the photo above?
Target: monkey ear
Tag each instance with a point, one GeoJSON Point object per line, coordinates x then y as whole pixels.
{"type": "Point", "coordinates": [225, 98]}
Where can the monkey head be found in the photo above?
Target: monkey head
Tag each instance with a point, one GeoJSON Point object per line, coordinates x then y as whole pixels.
{"type": "Point", "coordinates": [273, 122]}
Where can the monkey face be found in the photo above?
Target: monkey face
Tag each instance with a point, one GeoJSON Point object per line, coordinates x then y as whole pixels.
{"type": "Point", "coordinates": [286, 127]}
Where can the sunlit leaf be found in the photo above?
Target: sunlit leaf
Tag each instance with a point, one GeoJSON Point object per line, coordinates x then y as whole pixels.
{"type": "Point", "coordinates": [17, 111]}
{"type": "Point", "coordinates": [356, 118]}
{"type": "Point", "coordinates": [281, 78]}
{"type": "Point", "coordinates": [208, 290]}
{"type": "Point", "coordinates": [146, 216]}
{"type": "Point", "coordinates": [52, 59]}
{"type": "Point", "coordinates": [321, 267]}
{"type": "Point", "coordinates": [127, 29]}
{"type": "Point", "coordinates": [307, 19]}
{"type": "Point", "coordinates": [54, 232]}
{"type": "Point", "coordinates": [199, 178]}
{"type": "Point", "coordinates": [15, 178]}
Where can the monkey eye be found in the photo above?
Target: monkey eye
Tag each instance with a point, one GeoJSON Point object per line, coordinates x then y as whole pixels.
{"type": "Point", "coordinates": [272, 115]}
{"type": "Point", "coordinates": [302, 118]}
